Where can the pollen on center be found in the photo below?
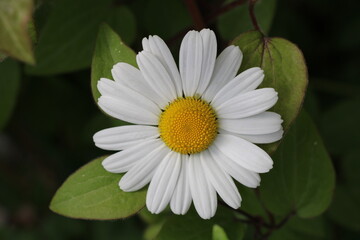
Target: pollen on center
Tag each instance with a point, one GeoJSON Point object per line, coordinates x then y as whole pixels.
{"type": "Point", "coordinates": [188, 125]}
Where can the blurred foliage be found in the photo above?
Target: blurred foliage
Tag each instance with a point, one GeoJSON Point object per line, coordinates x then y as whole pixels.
{"type": "Point", "coordinates": [67, 39]}
{"type": "Point", "coordinates": [16, 29]}
{"type": "Point", "coordinates": [218, 233]}
{"type": "Point", "coordinates": [48, 115]}
{"type": "Point", "coordinates": [9, 87]}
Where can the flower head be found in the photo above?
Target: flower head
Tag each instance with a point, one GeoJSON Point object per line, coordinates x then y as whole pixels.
{"type": "Point", "coordinates": [195, 129]}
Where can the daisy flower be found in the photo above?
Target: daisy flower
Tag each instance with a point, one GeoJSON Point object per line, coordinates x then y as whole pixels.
{"type": "Point", "coordinates": [194, 130]}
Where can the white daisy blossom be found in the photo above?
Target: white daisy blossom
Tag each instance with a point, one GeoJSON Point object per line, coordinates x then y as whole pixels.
{"type": "Point", "coordinates": [196, 126]}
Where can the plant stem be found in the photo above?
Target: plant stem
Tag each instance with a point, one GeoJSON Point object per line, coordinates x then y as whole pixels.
{"type": "Point", "coordinates": [242, 212]}
{"type": "Point", "coordinates": [199, 21]}
{"type": "Point", "coordinates": [195, 14]}
{"type": "Point", "coordinates": [253, 16]}
{"type": "Point", "coordinates": [259, 223]}
{"type": "Point", "coordinates": [282, 222]}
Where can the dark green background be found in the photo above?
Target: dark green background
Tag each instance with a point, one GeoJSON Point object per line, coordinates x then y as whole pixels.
{"type": "Point", "coordinates": [49, 135]}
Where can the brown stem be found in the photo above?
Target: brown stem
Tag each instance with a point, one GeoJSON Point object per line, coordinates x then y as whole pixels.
{"type": "Point", "coordinates": [278, 225]}
{"type": "Point", "coordinates": [252, 15]}
{"type": "Point", "coordinates": [195, 14]}
{"type": "Point", "coordinates": [242, 212]}
{"type": "Point", "coordinates": [178, 36]}
{"type": "Point", "coordinates": [259, 223]}
{"type": "Point", "coordinates": [282, 222]}
{"type": "Point", "coordinates": [198, 20]}
{"type": "Point", "coordinates": [268, 213]}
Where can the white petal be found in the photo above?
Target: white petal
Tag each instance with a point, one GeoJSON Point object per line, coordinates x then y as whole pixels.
{"type": "Point", "coordinates": [130, 76]}
{"type": "Point", "coordinates": [163, 183]}
{"type": "Point", "coordinates": [158, 47]}
{"type": "Point", "coordinates": [242, 175]}
{"type": "Point", "coordinates": [190, 62]}
{"type": "Point", "coordinates": [107, 87]}
{"type": "Point", "coordinates": [119, 138]}
{"type": "Point", "coordinates": [202, 192]}
{"type": "Point", "coordinates": [226, 66]}
{"type": "Point", "coordinates": [124, 103]}
{"type": "Point", "coordinates": [263, 138]}
{"type": "Point", "coordinates": [127, 111]}
{"type": "Point", "coordinates": [208, 59]}
{"type": "Point", "coordinates": [246, 81]}
{"type": "Point", "coordinates": [142, 172]}
{"type": "Point", "coordinates": [262, 123]}
{"type": "Point", "coordinates": [157, 77]}
{"type": "Point", "coordinates": [221, 181]}
{"type": "Point", "coordinates": [126, 159]}
{"type": "Point", "coordinates": [181, 199]}
{"type": "Point", "coordinates": [248, 104]}
{"type": "Point", "coordinates": [246, 154]}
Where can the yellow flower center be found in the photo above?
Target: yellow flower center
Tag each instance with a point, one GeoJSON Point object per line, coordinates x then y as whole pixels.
{"type": "Point", "coordinates": [188, 125]}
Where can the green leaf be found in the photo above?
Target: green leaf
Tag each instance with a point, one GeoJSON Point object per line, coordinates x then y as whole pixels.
{"type": "Point", "coordinates": [122, 20]}
{"type": "Point", "coordinates": [67, 41]}
{"type": "Point", "coordinates": [303, 177]}
{"type": "Point", "coordinates": [250, 202]}
{"type": "Point", "coordinates": [285, 71]}
{"type": "Point", "coordinates": [93, 193]}
{"type": "Point", "coordinates": [109, 50]}
{"type": "Point", "coordinates": [9, 87]}
{"type": "Point", "coordinates": [311, 104]}
{"type": "Point", "coordinates": [218, 233]}
{"type": "Point", "coordinates": [238, 19]}
{"type": "Point", "coordinates": [14, 37]}
{"type": "Point", "coordinates": [191, 226]}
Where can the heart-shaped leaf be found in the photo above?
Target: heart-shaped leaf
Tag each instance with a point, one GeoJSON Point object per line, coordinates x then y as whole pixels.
{"type": "Point", "coordinates": [303, 178]}
{"type": "Point", "coordinates": [109, 50]}
{"type": "Point", "coordinates": [285, 71]}
{"type": "Point", "coordinates": [93, 193]}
